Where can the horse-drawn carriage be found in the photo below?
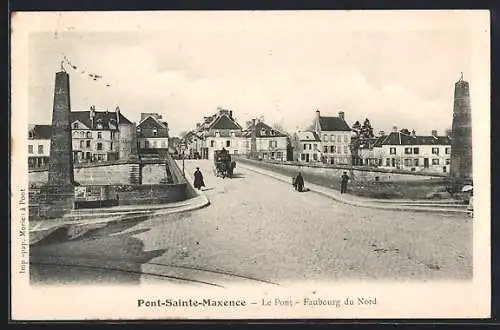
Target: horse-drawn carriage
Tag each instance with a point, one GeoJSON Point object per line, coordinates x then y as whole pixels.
{"type": "Point", "coordinates": [223, 165]}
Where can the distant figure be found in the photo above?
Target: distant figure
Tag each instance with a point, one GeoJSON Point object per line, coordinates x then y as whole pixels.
{"type": "Point", "coordinates": [198, 179]}
{"type": "Point", "coordinates": [299, 182]}
{"type": "Point", "coordinates": [343, 183]}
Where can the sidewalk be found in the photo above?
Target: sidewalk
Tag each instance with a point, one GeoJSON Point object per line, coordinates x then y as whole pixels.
{"type": "Point", "coordinates": [87, 217]}
{"type": "Point", "coordinates": [445, 206]}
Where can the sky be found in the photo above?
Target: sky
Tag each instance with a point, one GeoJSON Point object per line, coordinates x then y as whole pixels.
{"type": "Point", "coordinates": [277, 68]}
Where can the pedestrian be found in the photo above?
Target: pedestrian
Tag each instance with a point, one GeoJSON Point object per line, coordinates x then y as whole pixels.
{"type": "Point", "coordinates": [343, 183]}
{"type": "Point", "coordinates": [299, 181]}
{"type": "Point", "coordinates": [198, 179]}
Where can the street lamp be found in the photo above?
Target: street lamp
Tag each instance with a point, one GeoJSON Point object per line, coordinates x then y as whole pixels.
{"type": "Point", "coordinates": [183, 148]}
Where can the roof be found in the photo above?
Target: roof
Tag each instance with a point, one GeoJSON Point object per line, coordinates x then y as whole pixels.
{"type": "Point", "coordinates": [40, 132]}
{"type": "Point", "coordinates": [261, 127]}
{"type": "Point", "coordinates": [225, 133]}
{"type": "Point", "coordinates": [333, 124]}
{"type": "Point", "coordinates": [105, 117]}
{"type": "Point", "coordinates": [308, 136]}
{"type": "Point", "coordinates": [224, 122]}
{"type": "Point", "coordinates": [398, 138]}
{"type": "Point", "coordinates": [146, 127]}
{"type": "Point", "coordinates": [152, 121]}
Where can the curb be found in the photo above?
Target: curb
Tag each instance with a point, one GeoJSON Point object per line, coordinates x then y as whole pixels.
{"type": "Point", "coordinates": [380, 207]}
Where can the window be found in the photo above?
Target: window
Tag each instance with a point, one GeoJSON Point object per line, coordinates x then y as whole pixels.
{"type": "Point", "coordinates": [346, 150]}
{"type": "Point", "coordinates": [435, 161]}
{"type": "Point", "coordinates": [339, 138]}
{"type": "Point", "coordinates": [346, 138]}
{"type": "Point", "coordinates": [212, 143]}
{"type": "Point", "coordinates": [408, 151]}
{"type": "Point", "coordinates": [416, 151]}
{"type": "Point", "coordinates": [325, 138]}
{"type": "Point", "coordinates": [154, 144]}
{"type": "Point", "coordinates": [155, 132]}
{"type": "Point", "coordinates": [88, 143]}
{"type": "Point", "coordinates": [100, 157]}
{"type": "Point", "coordinates": [228, 143]}
{"type": "Point", "coordinates": [392, 151]}
{"type": "Point", "coordinates": [407, 162]}
{"type": "Point", "coordinates": [305, 146]}
{"type": "Point", "coordinates": [332, 149]}
{"type": "Point", "coordinates": [315, 146]}
{"type": "Point", "coordinates": [30, 149]}
{"type": "Point", "coordinates": [415, 162]}
{"type": "Point", "coordinates": [447, 150]}
{"type": "Point", "coordinates": [325, 148]}
{"type": "Point", "coordinates": [315, 157]}
{"type": "Point", "coordinates": [40, 149]}
{"type": "Point", "coordinates": [163, 144]}
{"type": "Point", "coordinates": [99, 146]}
{"type": "Point", "coordinates": [387, 162]}
{"type": "Point", "coordinates": [111, 146]}
{"type": "Point", "coordinates": [99, 135]}
{"type": "Point", "coordinates": [270, 144]}
{"type": "Point", "coordinates": [89, 135]}
{"type": "Point", "coordinates": [435, 151]}
{"type": "Point", "coordinates": [310, 146]}
{"type": "Point", "coordinates": [447, 162]}
{"type": "Point", "coordinates": [302, 157]}
{"type": "Point", "coordinates": [75, 125]}
{"type": "Point", "coordinates": [332, 138]}
{"type": "Point", "coordinates": [217, 134]}
{"type": "Point", "coordinates": [82, 135]}
{"type": "Point", "coordinates": [82, 144]}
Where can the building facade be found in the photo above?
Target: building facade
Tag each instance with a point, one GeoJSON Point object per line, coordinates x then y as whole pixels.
{"type": "Point", "coordinates": [270, 143]}
{"type": "Point", "coordinates": [307, 147]}
{"type": "Point", "coordinates": [335, 135]}
{"type": "Point", "coordinates": [215, 132]}
{"type": "Point", "coordinates": [152, 134]}
{"type": "Point", "coordinates": [413, 152]}
{"type": "Point", "coordinates": [39, 145]}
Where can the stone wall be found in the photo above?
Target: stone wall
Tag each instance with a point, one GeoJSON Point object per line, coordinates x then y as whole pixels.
{"type": "Point", "coordinates": [355, 173]}
{"type": "Point", "coordinates": [153, 173]}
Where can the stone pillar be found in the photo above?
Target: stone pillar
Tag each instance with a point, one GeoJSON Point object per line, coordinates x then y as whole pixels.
{"type": "Point", "coordinates": [253, 141]}
{"type": "Point", "coordinates": [461, 146]}
{"type": "Point", "coordinates": [61, 150]}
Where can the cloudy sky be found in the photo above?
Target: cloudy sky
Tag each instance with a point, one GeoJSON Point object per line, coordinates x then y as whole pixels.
{"type": "Point", "coordinates": [276, 67]}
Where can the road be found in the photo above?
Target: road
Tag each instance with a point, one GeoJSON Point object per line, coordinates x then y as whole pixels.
{"type": "Point", "coordinates": [260, 229]}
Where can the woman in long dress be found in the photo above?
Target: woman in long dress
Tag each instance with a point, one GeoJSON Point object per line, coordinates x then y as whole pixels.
{"type": "Point", "coordinates": [198, 179]}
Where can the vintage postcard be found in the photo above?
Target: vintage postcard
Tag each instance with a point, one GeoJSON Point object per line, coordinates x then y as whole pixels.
{"type": "Point", "coordinates": [250, 165]}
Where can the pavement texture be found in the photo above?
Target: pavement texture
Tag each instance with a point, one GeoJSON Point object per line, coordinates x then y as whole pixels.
{"type": "Point", "coordinates": [260, 230]}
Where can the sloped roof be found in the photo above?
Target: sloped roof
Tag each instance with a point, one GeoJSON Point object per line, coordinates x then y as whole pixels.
{"type": "Point", "coordinates": [308, 136]}
{"type": "Point", "coordinates": [152, 121]}
{"type": "Point", "coordinates": [224, 122]}
{"type": "Point", "coordinates": [103, 116]}
{"type": "Point", "coordinates": [398, 138]}
{"type": "Point", "coordinates": [260, 127]}
{"type": "Point", "coordinates": [333, 124]}
{"type": "Point", "coordinates": [40, 132]}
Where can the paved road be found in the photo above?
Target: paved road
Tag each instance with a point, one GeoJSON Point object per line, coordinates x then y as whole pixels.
{"type": "Point", "coordinates": [258, 228]}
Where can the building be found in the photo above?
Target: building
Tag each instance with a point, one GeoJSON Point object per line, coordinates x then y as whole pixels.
{"type": "Point", "coordinates": [193, 144]}
{"type": "Point", "coordinates": [307, 146]}
{"type": "Point", "coordinates": [152, 134]}
{"type": "Point", "coordinates": [100, 135]}
{"type": "Point", "coordinates": [39, 145]}
{"type": "Point", "coordinates": [218, 131]}
{"type": "Point", "coordinates": [413, 152]}
{"type": "Point", "coordinates": [270, 143]}
{"type": "Point", "coordinates": [335, 135]}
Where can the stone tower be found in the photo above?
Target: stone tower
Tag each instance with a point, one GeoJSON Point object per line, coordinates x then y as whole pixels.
{"type": "Point", "coordinates": [461, 145]}
{"type": "Point", "coordinates": [61, 154]}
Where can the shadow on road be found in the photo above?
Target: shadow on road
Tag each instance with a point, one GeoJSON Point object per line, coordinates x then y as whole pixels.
{"type": "Point", "coordinates": [98, 256]}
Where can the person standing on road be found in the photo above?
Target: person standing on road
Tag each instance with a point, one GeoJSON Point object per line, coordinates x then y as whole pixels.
{"type": "Point", "coordinates": [198, 179]}
{"type": "Point", "coordinates": [299, 182]}
{"type": "Point", "coordinates": [343, 183]}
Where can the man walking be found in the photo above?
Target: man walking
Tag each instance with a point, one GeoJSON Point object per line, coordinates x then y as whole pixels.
{"type": "Point", "coordinates": [343, 183]}
{"type": "Point", "coordinates": [198, 179]}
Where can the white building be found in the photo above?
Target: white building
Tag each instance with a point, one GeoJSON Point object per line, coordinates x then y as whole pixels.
{"type": "Point", "coordinates": [271, 144]}
{"type": "Point", "coordinates": [39, 145]}
{"type": "Point", "coordinates": [307, 147]}
{"type": "Point", "coordinates": [335, 135]}
{"type": "Point", "coordinates": [414, 152]}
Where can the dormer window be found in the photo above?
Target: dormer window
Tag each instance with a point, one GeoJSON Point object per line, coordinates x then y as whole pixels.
{"type": "Point", "coordinates": [263, 132]}
{"type": "Point", "coordinates": [155, 132]}
{"type": "Point", "coordinates": [217, 134]}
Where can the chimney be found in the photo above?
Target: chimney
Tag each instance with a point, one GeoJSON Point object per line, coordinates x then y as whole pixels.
{"type": "Point", "coordinates": [117, 110]}
{"type": "Point", "coordinates": [231, 114]}
{"type": "Point", "coordinates": [434, 133]}
{"type": "Point", "coordinates": [317, 114]}
{"type": "Point", "coordinates": [413, 133]}
{"type": "Point", "coordinates": [341, 115]}
{"type": "Point", "coordinates": [381, 133]}
{"type": "Point", "coordinates": [394, 128]}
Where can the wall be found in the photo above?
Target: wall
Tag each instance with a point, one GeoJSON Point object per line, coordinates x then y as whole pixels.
{"type": "Point", "coordinates": [425, 151]}
{"type": "Point", "coordinates": [45, 143]}
{"type": "Point", "coordinates": [328, 172]}
{"type": "Point", "coordinates": [153, 173]}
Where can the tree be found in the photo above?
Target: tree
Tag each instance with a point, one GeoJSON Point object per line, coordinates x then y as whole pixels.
{"type": "Point", "coordinates": [356, 127]}
{"type": "Point", "coordinates": [367, 129]}
{"type": "Point", "coordinates": [405, 131]}
{"type": "Point", "coordinates": [183, 134]}
{"type": "Point", "coordinates": [280, 128]}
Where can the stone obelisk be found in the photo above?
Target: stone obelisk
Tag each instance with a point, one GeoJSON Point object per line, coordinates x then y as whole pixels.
{"type": "Point", "coordinates": [61, 153]}
{"type": "Point", "coordinates": [461, 145]}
